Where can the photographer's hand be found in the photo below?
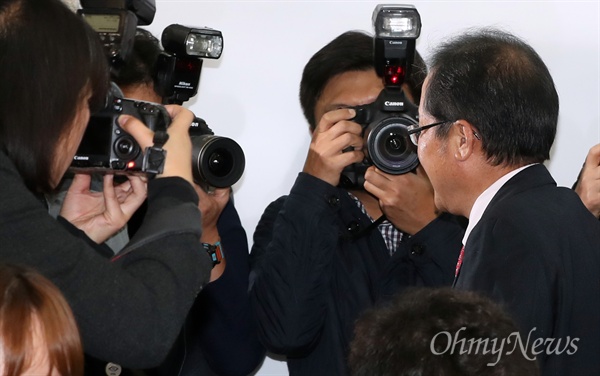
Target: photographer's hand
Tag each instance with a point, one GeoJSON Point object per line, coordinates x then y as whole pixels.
{"type": "Point", "coordinates": [588, 186]}
{"type": "Point", "coordinates": [329, 149]}
{"type": "Point", "coordinates": [101, 214]}
{"type": "Point", "coordinates": [406, 200]}
{"type": "Point", "coordinates": [178, 146]}
{"type": "Point", "coordinates": [211, 206]}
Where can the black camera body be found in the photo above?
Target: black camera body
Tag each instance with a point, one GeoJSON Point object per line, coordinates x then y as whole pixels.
{"type": "Point", "coordinates": [387, 144]}
{"type": "Point", "coordinates": [385, 122]}
{"type": "Point", "coordinates": [106, 147]}
{"type": "Point", "coordinates": [217, 162]}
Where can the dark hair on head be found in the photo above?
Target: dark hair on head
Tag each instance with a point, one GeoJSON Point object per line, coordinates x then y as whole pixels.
{"type": "Point", "coordinates": [350, 51]}
{"type": "Point", "coordinates": [140, 66]}
{"type": "Point", "coordinates": [28, 303]}
{"type": "Point", "coordinates": [50, 58]}
{"type": "Point", "coordinates": [498, 83]}
{"type": "Point", "coordinates": [406, 337]}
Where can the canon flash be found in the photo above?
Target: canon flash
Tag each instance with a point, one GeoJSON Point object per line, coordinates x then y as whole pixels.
{"type": "Point", "coordinates": [396, 29]}
{"type": "Point", "coordinates": [396, 21]}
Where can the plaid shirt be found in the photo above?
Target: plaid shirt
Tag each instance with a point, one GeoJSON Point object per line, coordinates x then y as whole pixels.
{"type": "Point", "coordinates": [391, 235]}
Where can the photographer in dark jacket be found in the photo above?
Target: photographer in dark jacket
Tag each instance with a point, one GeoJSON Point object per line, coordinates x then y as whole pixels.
{"type": "Point", "coordinates": [219, 336]}
{"type": "Point", "coordinates": [131, 308]}
{"type": "Point", "coordinates": [320, 257]}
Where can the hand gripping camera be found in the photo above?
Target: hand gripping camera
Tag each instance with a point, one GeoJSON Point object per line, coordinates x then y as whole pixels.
{"type": "Point", "coordinates": [217, 162]}
{"type": "Point", "coordinates": [385, 122]}
{"type": "Point", "coordinates": [106, 148]}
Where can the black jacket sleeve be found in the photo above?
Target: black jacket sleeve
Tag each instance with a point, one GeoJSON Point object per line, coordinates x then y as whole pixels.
{"type": "Point", "coordinates": [164, 272]}
{"type": "Point", "coordinates": [129, 310]}
{"type": "Point", "coordinates": [434, 250]}
{"type": "Point", "coordinates": [294, 245]}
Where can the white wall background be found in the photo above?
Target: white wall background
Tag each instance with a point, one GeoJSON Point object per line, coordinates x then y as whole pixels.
{"type": "Point", "coordinates": [251, 93]}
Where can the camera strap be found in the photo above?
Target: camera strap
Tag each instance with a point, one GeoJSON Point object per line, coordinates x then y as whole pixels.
{"type": "Point", "coordinates": [155, 155]}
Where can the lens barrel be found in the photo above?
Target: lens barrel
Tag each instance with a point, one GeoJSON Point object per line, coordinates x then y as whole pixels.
{"type": "Point", "coordinates": [217, 161]}
{"type": "Point", "coordinates": [389, 147]}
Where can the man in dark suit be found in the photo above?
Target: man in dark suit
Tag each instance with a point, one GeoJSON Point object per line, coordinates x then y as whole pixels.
{"type": "Point", "coordinates": [488, 118]}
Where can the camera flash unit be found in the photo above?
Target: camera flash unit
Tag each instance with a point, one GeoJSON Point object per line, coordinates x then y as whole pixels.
{"type": "Point", "coordinates": [396, 29]}
{"type": "Point", "coordinates": [396, 21]}
{"type": "Point", "coordinates": [193, 42]}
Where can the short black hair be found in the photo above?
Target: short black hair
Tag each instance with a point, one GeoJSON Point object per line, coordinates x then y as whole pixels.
{"type": "Point", "coordinates": [498, 83]}
{"type": "Point", "coordinates": [140, 66]}
{"type": "Point", "coordinates": [49, 57]}
{"type": "Point", "coordinates": [399, 338]}
{"type": "Point", "coordinates": [350, 51]}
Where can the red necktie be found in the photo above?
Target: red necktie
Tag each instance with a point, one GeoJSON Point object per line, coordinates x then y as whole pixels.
{"type": "Point", "coordinates": [459, 262]}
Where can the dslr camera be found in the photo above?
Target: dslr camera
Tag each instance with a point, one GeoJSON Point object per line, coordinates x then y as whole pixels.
{"type": "Point", "coordinates": [105, 146]}
{"type": "Point", "coordinates": [217, 162]}
{"type": "Point", "coordinates": [385, 121]}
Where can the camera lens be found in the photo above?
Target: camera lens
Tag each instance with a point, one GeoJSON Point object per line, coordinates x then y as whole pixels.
{"type": "Point", "coordinates": [389, 147]}
{"type": "Point", "coordinates": [217, 161]}
{"type": "Point", "coordinates": [394, 145]}
{"type": "Point", "coordinates": [220, 162]}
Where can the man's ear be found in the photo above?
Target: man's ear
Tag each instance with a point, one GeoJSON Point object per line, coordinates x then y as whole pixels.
{"type": "Point", "coordinates": [463, 139]}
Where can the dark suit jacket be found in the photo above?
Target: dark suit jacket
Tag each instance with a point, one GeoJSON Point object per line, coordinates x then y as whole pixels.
{"type": "Point", "coordinates": [536, 251]}
{"type": "Point", "coordinates": [311, 278]}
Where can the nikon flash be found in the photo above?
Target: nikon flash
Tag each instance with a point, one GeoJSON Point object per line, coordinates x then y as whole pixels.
{"type": "Point", "coordinates": [196, 42]}
{"type": "Point", "coordinates": [178, 67]}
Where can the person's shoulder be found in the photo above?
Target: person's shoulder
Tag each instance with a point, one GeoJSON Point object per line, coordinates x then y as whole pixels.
{"type": "Point", "coordinates": [6, 165]}
{"type": "Point", "coordinates": [278, 203]}
{"type": "Point", "coordinates": [272, 209]}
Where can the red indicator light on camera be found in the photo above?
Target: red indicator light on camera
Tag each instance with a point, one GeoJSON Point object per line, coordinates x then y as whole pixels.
{"type": "Point", "coordinates": [394, 75]}
{"type": "Point", "coordinates": [130, 165]}
{"type": "Point", "coordinates": [188, 64]}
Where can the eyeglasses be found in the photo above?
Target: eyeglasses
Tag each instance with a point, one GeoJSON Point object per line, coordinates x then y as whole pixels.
{"type": "Point", "coordinates": [414, 131]}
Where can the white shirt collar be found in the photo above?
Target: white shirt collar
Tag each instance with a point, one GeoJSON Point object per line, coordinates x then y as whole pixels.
{"type": "Point", "coordinates": [485, 198]}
